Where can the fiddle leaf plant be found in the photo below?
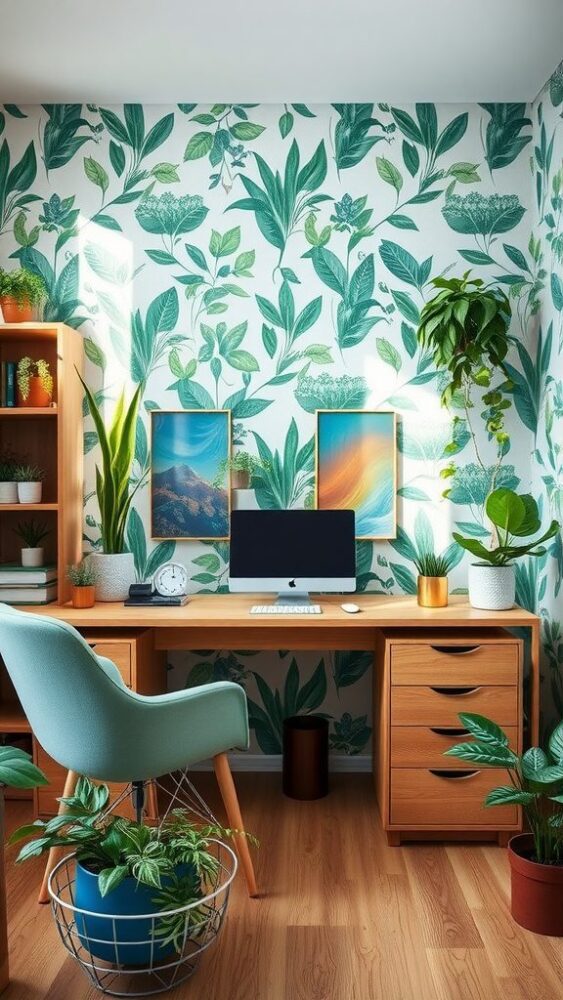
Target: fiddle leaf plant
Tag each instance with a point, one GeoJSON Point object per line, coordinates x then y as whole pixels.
{"type": "Point", "coordinates": [117, 445]}
{"type": "Point", "coordinates": [513, 516]}
{"type": "Point", "coordinates": [536, 780]}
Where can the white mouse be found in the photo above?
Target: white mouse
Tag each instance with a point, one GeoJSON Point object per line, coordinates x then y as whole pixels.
{"type": "Point", "coordinates": [351, 609]}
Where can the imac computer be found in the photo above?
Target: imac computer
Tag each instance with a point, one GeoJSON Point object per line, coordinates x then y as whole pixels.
{"type": "Point", "coordinates": [290, 552]}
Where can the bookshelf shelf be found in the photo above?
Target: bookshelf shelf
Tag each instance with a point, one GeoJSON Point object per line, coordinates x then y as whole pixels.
{"type": "Point", "coordinates": [28, 506]}
{"type": "Point", "coordinates": [21, 412]}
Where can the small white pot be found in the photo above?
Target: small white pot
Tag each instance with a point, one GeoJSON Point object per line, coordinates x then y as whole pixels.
{"type": "Point", "coordinates": [8, 492]}
{"type": "Point", "coordinates": [30, 492]}
{"type": "Point", "coordinates": [114, 575]}
{"type": "Point", "coordinates": [491, 588]}
{"type": "Point", "coordinates": [244, 500]}
{"type": "Point", "coordinates": [32, 557]}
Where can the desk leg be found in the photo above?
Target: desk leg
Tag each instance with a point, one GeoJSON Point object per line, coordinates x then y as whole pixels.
{"type": "Point", "coordinates": [535, 674]}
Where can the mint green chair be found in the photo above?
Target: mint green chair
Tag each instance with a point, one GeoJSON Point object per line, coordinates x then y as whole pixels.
{"type": "Point", "coordinates": [88, 721]}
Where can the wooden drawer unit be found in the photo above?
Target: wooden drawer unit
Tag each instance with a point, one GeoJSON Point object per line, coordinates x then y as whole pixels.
{"type": "Point", "coordinates": [142, 668]}
{"type": "Point", "coordinates": [411, 745]}
{"type": "Point", "coordinates": [423, 680]}
{"type": "Point", "coordinates": [441, 705]}
{"type": "Point", "coordinates": [447, 798]}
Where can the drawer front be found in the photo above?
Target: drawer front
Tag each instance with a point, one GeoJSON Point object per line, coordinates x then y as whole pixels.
{"type": "Point", "coordinates": [119, 653]}
{"type": "Point", "coordinates": [423, 798]}
{"type": "Point", "coordinates": [421, 746]}
{"type": "Point", "coordinates": [485, 663]}
{"type": "Point", "coordinates": [440, 706]}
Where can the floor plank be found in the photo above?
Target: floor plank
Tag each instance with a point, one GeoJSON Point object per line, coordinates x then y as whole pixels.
{"type": "Point", "coordinates": [341, 916]}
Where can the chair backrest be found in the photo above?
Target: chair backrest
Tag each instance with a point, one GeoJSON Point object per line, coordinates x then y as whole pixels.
{"type": "Point", "coordinates": [75, 709]}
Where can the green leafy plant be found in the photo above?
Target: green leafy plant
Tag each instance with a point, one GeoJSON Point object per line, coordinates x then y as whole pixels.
{"type": "Point", "coordinates": [115, 848]}
{"type": "Point", "coordinates": [29, 474]}
{"type": "Point", "coordinates": [240, 461]}
{"type": "Point", "coordinates": [429, 564]}
{"type": "Point", "coordinates": [536, 780]}
{"type": "Point", "coordinates": [8, 466]}
{"type": "Point", "coordinates": [513, 516]}
{"type": "Point", "coordinates": [18, 770]}
{"type": "Point", "coordinates": [32, 532]}
{"type": "Point", "coordinates": [22, 285]}
{"type": "Point", "coordinates": [117, 445]}
{"type": "Point", "coordinates": [29, 368]}
{"type": "Point", "coordinates": [419, 550]}
{"type": "Point", "coordinates": [82, 574]}
{"type": "Point", "coordinates": [283, 479]}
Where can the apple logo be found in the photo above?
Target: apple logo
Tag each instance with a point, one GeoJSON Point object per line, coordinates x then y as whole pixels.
{"type": "Point", "coordinates": [292, 584]}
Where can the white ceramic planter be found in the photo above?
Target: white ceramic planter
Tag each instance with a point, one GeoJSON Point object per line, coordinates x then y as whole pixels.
{"type": "Point", "coordinates": [114, 575]}
{"type": "Point", "coordinates": [491, 588]}
{"type": "Point", "coordinates": [30, 492]}
{"type": "Point", "coordinates": [244, 500]}
{"type": "Point", "coordinates": [32, 557]}
{"type": "Point", "coordinates": [8, 492]}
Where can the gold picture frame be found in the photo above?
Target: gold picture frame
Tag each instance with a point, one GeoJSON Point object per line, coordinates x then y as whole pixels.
{"type": "Point", "coordinates": [157, 415]}
{"type": "Point", "coordinates": [388, 467]}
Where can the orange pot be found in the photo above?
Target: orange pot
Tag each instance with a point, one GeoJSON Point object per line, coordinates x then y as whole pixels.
{"type": "Point", "coordinates": [16, 312]}
{"type": "Point", "coordinates": [38, 396]}
{"type": "Point", "coordinates": [83, 597]}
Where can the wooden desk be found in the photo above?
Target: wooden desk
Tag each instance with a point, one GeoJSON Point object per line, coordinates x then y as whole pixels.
{"type": "Point", "coordinates": [412, 711]}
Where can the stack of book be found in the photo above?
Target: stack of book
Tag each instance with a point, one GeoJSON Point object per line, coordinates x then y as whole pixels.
{"type": "Point", "coordinates": [27, 584]}
{"type": "Point", "coordinates": [8, 383]}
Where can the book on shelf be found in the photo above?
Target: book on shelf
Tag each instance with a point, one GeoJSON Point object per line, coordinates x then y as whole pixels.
{"type": "Point", "coordinates": [29, 595]}
{"type": "Point", "coordinates": [26, 576]}
{"type": "Point", "coordinates": [8, 383]}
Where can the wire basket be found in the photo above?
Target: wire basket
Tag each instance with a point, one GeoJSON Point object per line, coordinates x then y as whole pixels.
{"type": "Point", "coordinates": [127, 955]}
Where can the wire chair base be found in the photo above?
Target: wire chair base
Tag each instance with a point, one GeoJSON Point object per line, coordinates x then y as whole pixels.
{"type": "Point", "coordinates": [127, 955]}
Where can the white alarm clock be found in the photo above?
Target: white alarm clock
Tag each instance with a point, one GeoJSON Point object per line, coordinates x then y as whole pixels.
{"type": "Point", "coordinates": [171, 580]}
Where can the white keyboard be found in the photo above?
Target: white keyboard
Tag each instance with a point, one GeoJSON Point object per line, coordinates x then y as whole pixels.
{"type": "Point", "coordinates": [285, 609]}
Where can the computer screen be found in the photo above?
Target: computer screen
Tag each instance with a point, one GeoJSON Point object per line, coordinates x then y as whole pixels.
{"type": "Point", "coordinates": [302, 549]}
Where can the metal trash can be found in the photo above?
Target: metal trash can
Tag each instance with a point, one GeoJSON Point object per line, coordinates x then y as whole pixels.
{"type": "Point", "coordinates": [305, 757]}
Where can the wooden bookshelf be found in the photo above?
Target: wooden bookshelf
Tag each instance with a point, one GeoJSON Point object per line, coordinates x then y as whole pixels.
{"type": "Point", "coordinates": [50, 437]}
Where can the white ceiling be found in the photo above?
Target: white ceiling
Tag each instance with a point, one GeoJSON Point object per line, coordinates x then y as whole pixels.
{"type": "Point", "coordinates": [161, 51]}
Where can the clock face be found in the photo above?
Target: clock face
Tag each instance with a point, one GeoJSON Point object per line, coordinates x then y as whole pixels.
{"type": "Point", "coordinates": [171, 580]}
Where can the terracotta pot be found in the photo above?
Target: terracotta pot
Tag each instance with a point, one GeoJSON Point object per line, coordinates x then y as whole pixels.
{"type": "Point", "coordinates": [83, 597]}
{"type": "Point", "coordinates": [537, 890]}
{"type": "Point", "coordinates": [37, 396]}
{"type": "Point", "coordinates": [240, 479]}
{"type": "Point", "coordinates": [16, 312]}
{"type": "Point", "coordinates": [432, 591]}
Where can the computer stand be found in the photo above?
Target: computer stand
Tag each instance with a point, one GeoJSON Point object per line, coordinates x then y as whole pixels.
{"type": "Point", "coordinates": [297, 597]}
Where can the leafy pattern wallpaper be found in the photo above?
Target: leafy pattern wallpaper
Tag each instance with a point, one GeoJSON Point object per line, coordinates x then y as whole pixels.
{"type": "Point", "coordinates": [274, 260]}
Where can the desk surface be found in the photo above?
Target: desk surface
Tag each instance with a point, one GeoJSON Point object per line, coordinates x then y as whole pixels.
{"type": "Point", "coordinates": [233, 611]}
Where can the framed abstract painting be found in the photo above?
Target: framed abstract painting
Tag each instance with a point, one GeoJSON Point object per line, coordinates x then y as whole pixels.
{"type": "Point", "coordinates": [356, 468]}
{"type": "Point", "coordinates": [190, 479]}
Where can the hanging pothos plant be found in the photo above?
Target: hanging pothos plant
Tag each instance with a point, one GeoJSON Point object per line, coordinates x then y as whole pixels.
{"type": "Point", "coordinates": [465, 328]}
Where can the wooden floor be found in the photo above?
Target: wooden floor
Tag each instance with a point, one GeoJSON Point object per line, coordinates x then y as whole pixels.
{"type": "Point", "coordinates": [343, 916]}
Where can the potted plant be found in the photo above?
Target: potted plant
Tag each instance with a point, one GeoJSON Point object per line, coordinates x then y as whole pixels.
{"type": "Point", "coordinates": [32, 532]}
{"type": "Point", "coordinates": [29, 479]}
{"type": "Point", "coordinates": [242, 467]}
{"type": "Point", "coordinates": [18, 771]}
{"type": "Point", "coordinates": [432, 580]}
{"type": "Point", "coordinates": [114, 566]}
{"type": "Point", "coordinates": [126, 868]}
{"type": "Point", "coordinates": [20, 292]}
{"type": "Point", "coordinates": [83, 578]}
{"type": "Point", "coordinates": [492, 583]}
{"type": "Point", "coordinates": [34, 382]}
{"type": "Point", "coordinates": [536, 784]}
{"type": "Point", "coordinates": [8, 484]}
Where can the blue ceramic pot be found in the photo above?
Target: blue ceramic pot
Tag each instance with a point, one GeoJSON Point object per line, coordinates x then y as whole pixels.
{"type": "Point", "coordinates": [130, 899]}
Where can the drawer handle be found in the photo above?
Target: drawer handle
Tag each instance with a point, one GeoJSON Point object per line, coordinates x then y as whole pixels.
{"type": "Point", "coordinates": [455, 650]}
{"type": "Point", "coordinates": [455, 691]}
{"type": "Point", "coordinates": [453, 775]}
{"type": "Point", "coordinates": [444, 731]}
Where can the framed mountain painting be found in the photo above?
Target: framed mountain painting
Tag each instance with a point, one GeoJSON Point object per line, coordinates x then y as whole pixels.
{"type": "Point", "coordinates": [356, 468]}
{"type": "Point", "coordinates": [190, 479]}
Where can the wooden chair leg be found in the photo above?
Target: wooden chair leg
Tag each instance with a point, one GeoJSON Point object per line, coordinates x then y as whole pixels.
{"type": "Point", "coordinates": [56, 853]}
{"type": "Point", "coordinates": [232, 807]}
